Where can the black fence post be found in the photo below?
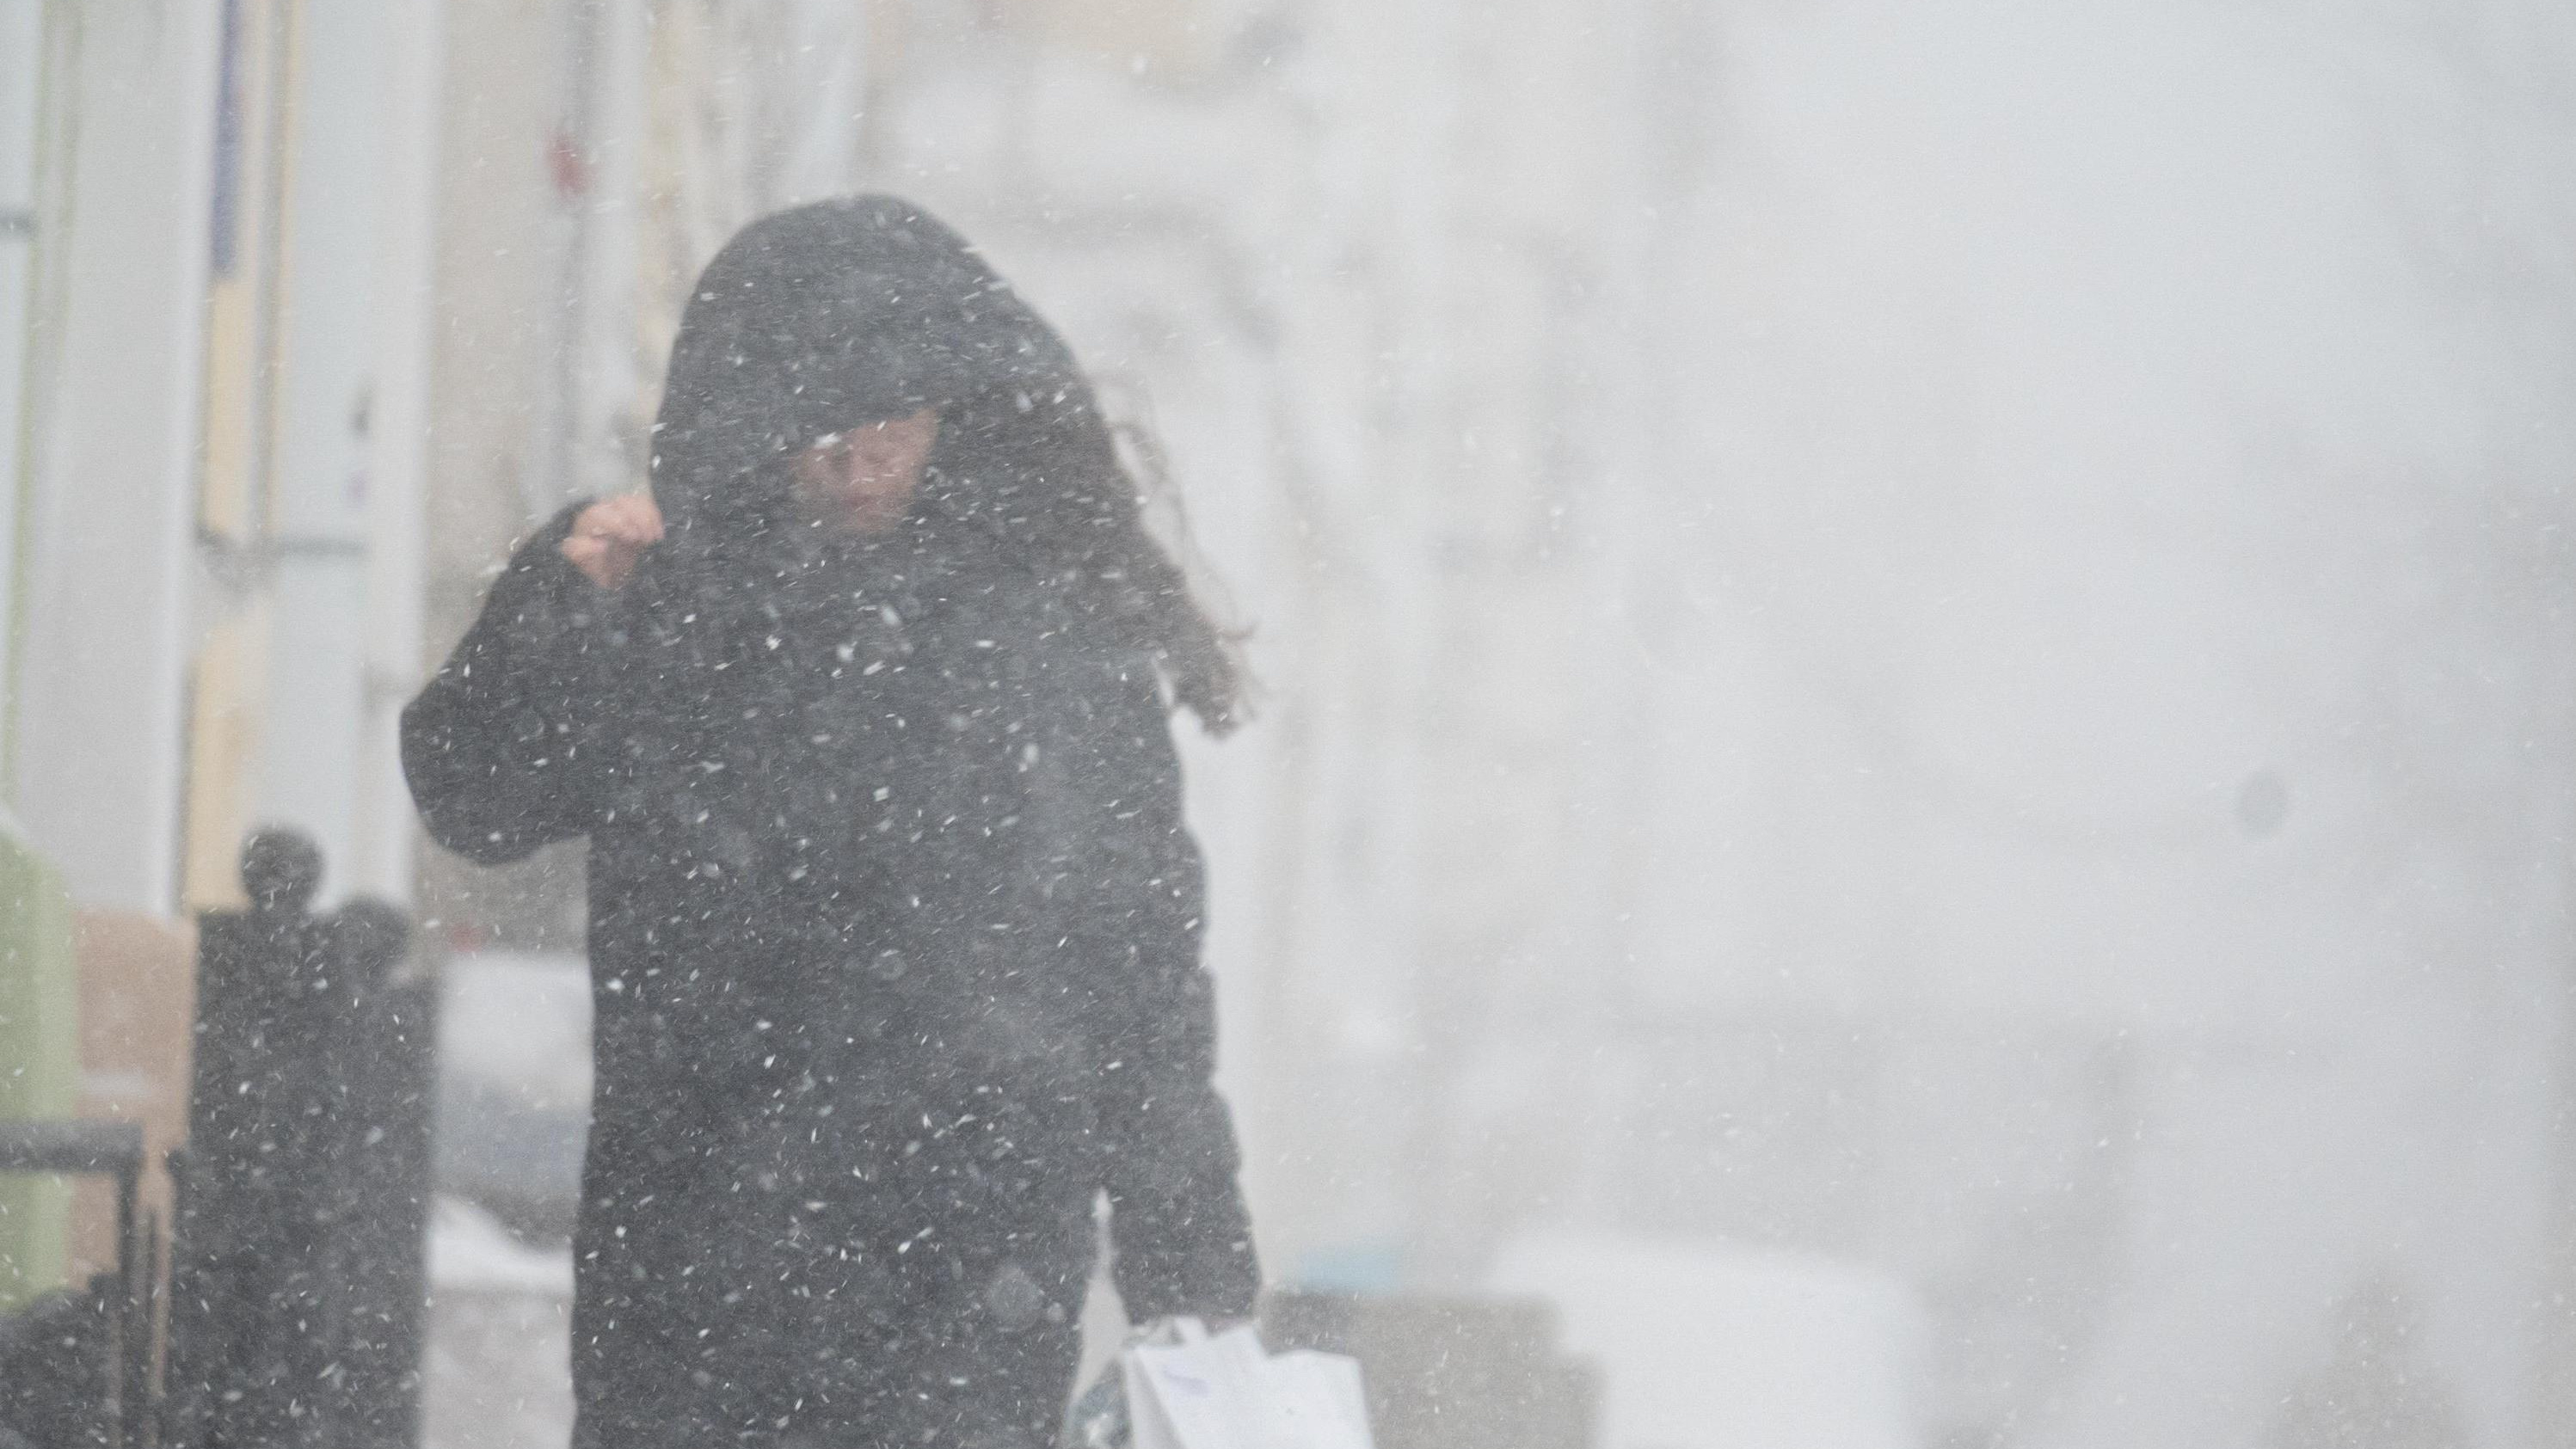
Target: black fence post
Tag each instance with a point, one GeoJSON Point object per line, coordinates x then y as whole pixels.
{"type": "Point", "coordinates": [296, 1289]}
{"type": "Point", "coordinates": [382, 1267]}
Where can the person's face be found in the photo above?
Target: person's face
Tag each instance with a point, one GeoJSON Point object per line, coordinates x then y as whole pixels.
{"type": "Point", "coordinates": [862, 481]}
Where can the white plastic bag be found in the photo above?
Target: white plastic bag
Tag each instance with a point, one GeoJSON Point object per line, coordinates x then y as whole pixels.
{"type": "Point", "coordinates": [1194, 1390]}
{"type": "Point", "coordinates": [1320, 1397]}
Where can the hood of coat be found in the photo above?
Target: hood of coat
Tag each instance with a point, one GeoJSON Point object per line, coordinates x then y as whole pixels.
{"type": "Point", "coordinates": [822, 318]}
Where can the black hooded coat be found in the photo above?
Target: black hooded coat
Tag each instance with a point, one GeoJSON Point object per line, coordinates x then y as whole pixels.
{"type": "Point", "coordinates": [894, 923]}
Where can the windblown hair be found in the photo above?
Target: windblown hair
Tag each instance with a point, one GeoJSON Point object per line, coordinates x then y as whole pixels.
{"type": "Point", "coordinates": [1043, 476]}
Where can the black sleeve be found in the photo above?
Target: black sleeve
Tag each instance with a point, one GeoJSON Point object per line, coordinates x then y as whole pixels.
{"type": "Point", "coordinates": [1178, 1225]}
{"type": "Point", "coordinates": [492, 746]}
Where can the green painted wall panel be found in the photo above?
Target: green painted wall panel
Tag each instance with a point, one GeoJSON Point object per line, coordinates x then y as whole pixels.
{"type": "Point", "coordinates": [39, 1060]}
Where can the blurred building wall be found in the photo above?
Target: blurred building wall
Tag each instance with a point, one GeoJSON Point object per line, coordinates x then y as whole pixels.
{"type": "Point", "coordinates": [215, 312]}
{"type": "Point", "coordinates": [339, 535]}
{"type": "Point", "coordinates": [213, 229]}
{"type": "Point", "coordinates": [107, 421]}
{"type": "Point", "coordinates": [102, 109]}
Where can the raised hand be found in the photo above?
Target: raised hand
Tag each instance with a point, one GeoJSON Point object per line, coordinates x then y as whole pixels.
{"type": "Point", "coordinates": [610, 535]}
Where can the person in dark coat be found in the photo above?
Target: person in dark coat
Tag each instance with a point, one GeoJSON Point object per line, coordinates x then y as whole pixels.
{"type": "Point", "coordinates": [894, 923]}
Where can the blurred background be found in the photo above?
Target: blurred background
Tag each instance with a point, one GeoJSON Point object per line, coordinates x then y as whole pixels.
{"type": "Point", "coordinates": [1916, 754]}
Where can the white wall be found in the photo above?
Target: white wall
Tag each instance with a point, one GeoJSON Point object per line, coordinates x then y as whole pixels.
{"type": "Point", "coordinates": [101, 682]}
{"type": "Point", "coordinates": [113, 577]}
{"type": "Point", "coordinates": [24, 50]}
{"type": "Point", "coordinates": [352, 436]}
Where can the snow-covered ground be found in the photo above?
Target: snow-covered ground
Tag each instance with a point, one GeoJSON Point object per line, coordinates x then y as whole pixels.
{"type": "Point", "coordinates": [495, 1375]}
{"type": "Point", "coordinates": [1706, 1345]}
{"type": "Point", "coordinates": [515, 1070]}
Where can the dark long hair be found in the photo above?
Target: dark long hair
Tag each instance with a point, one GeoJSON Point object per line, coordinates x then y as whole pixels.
{"type": "Point", "coordinates": [828, 315]}
{"type": "Point", "coordinates": [1045, 478]}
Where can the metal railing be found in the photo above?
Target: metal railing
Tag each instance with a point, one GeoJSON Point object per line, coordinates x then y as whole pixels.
{"type": "Point", "coordinates": [113, 1149]}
